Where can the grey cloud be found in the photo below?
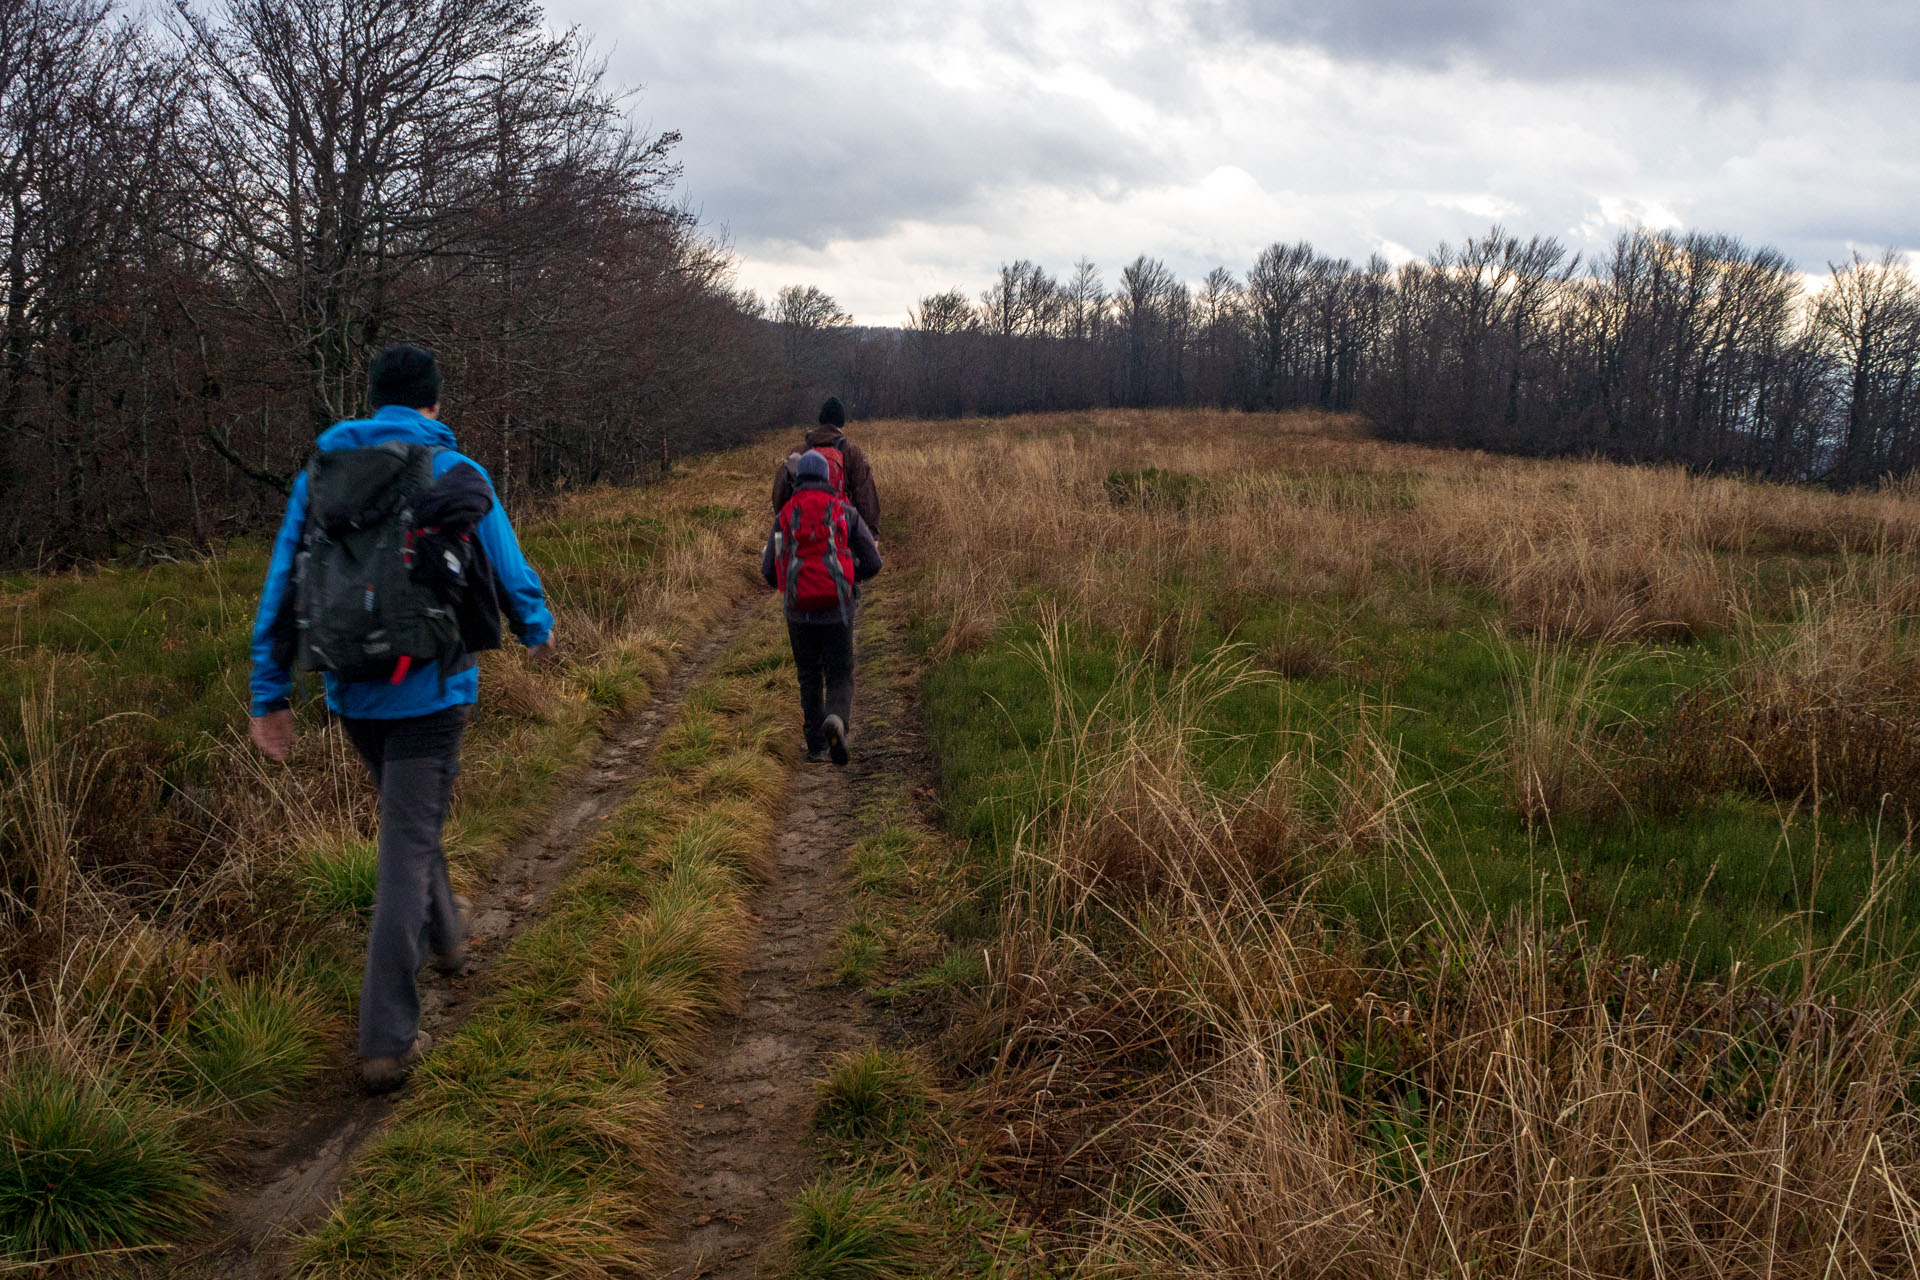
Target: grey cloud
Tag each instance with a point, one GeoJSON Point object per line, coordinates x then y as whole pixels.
{"type": "Point", "coordinates": [1730, 45]}
{"type": "Point", "coordinates": [1019, 131]}
{"type": "Point", "coordinates": [801, 127]}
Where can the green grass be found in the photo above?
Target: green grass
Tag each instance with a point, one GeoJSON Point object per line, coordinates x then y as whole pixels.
{"type": "Point", "coordinates": [859, 953]}
{"type": "Point", "coordinates": [260, 879]}
{"type": "Point", "coordinates": [168, 641]}
{"type": "Point", "coordinates": [885, 869]}
{"type": "Point", "coordinates": [1735, 879]}
{"type": "Point", "coordinates": [900, 1196]}
{"type": "Point", "coordinates": [88, 1166]}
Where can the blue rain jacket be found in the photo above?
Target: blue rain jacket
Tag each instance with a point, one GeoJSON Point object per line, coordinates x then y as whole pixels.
{"type": "Point", "coordinates": [424, 691]}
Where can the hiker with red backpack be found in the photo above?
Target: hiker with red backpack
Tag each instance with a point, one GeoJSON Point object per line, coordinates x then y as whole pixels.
{"type": "Point", "coordinates": [847, 466]}
{"type": "Point", "coordinates": [391, 570]}
{"type": "Point", "coordinates": [819, 552]}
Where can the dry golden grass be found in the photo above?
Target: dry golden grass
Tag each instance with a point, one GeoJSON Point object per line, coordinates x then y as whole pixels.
{"type": "Point", "coordinates": [1175, 1035]}
{"type": "Point", "coordinates": [1301, 504]}
{"type": "Point", "coordinates": [1183, 1064]}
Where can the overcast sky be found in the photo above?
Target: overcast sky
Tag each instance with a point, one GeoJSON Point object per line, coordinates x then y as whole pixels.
{"type": "Point", "coordinates": [890, 149]}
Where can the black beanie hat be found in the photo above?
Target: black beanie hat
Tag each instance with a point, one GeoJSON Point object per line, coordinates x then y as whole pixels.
{"type": "Point", "coordinates": [404, 375]}
{"type": "Point", "coordinates": [833, 413]}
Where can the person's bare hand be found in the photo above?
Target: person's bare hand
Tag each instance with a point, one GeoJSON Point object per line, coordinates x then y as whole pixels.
{"type": "Point", "coordinates": [546, 651]}
{"type": "Point", "coordinates": [272, 733]}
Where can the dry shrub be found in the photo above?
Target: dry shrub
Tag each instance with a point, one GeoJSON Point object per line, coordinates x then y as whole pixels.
{"type": "Point", "coordinates": [1062, 1039]}
{"type": "Point", "coordinates": [1594, 589]}
{"type": "Point", "coordinates": [46, 798]}
{"type": "Point", "coordinates": [1143, 807]}
{"type": "Point", "coordinates": [1130, 765]}
{"type": "Point", "coordinates": [1375, 809]}
{"type": "Point", "coordinates": [1269, 827]}
{"type": "Point", "coordinates": [1299, 657]}
{"type": "Point", "coordinates": [110, 866]}
{"type": "Point", "coordinates": [966, 599]}
{"type": "Point", "coordinates": [1582, 550]}
{"type": "Point", "coordinates": [1825, 706]}
{"type": "Point", "coordinates": [1164, 633]}
{"type": "Point", "coordinates": [152, 976]}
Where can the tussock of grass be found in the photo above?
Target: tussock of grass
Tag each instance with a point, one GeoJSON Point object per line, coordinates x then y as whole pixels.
{"type": "Point", "coordinates": [874, 1093]}
{"type": "Point", "coordinates": [672, 964]}
{"type": "Point", "coordinates": [88, 1166]}
{"type": "Point", "coordinates": [248, 1046]}
{"type": "Point", "coordinates": [732, 832]}
{"type": "Point", "coordinates": [339, 878]}
{"type": "Point", "coordinates": [744, 774]}
{"type": "Point", "coordinates": [1556, 757]}
{"type": "Point", "coordinates": [841, 1230]}
{"type": "Point", "coordinates": [859, 953]}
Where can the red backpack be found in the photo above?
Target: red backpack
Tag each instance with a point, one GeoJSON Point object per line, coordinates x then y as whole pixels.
{"type": "Point", "coordinates": [813, 552]}
{"type": "Point", "coordinates": [836, 465]}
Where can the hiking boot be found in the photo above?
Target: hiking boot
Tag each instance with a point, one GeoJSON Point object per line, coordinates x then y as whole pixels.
{"type": "Point", "coordinates": [836, 731]}
{"type": "Point", "coordinates": [816, 755]}
{"type": "Point", "coordinates": [455, 960]}
{"type": "Point", "coordinates": [385, 1074]}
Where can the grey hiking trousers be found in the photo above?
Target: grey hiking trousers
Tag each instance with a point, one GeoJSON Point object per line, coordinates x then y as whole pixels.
{"type": "Point", "coordinates": [823, 656]}
{"type": "Point", "coordinates": [414, 762]}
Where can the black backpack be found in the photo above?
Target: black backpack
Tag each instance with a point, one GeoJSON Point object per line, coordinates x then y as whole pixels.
{"type": "Point", "coordinates": [359, 608]}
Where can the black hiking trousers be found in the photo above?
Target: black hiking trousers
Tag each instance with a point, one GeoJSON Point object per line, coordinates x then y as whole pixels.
{"type": "Point", "coordinates": [823, 655]}
{"type": "Point", "coordinates": [414, 762]}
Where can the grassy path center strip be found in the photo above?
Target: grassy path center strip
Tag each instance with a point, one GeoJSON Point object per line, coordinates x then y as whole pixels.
{"type": "Point", "coordinates": [531, 1143]}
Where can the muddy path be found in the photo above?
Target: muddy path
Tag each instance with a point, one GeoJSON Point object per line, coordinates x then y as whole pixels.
{"type": "Point", "coordinates": [284, 1178]}
{"type": "Point", "coordinates": [742, 1114]}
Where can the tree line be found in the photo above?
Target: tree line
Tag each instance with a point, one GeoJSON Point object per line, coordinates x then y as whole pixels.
{"type": "Point", "coordinates": [1686, 347]}
{"type": "Point", "coordinates": [208, 222]}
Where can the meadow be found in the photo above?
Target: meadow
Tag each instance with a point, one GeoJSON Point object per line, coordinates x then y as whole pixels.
{"type": "Point", "coordinates": [1340, 859]}
{"type": "Point", "coordinates": [1363, 860]}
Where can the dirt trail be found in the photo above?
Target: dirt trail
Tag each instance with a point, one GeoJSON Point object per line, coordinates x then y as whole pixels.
{"type": "Point", "coordinates": [285, 1179]}
{"type": "Point", "coordinates": [742, 1114]}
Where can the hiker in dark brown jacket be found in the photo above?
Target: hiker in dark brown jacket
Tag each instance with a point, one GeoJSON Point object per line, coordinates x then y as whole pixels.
{"type": "Point", "coordinates": [857, 477]}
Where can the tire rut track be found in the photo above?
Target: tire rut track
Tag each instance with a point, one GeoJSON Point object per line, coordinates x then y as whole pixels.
{"type": "Point", "coordinates": [742, 1115]}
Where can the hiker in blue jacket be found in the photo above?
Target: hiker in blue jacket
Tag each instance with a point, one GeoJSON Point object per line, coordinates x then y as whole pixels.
{"type": "Point", "coordinates": [407, 727]}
